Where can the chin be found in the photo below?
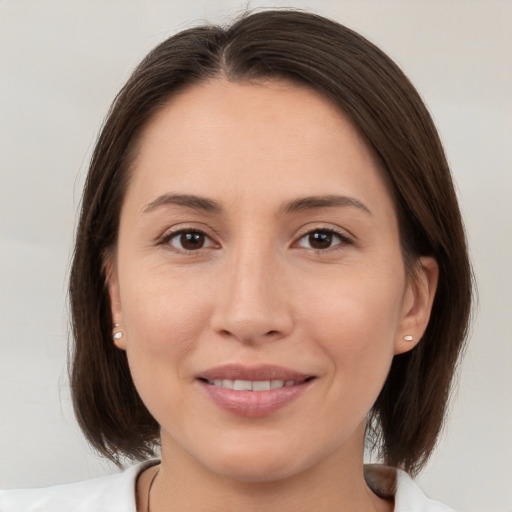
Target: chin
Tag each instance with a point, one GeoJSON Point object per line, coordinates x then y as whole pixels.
{"type": "Point", "coordinates": [256, 471]}
{"type": "Point", "coordinates": [260, 463]}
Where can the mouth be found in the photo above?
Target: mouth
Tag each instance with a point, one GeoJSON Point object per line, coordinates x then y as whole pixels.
{"type": "Point", "coordinates": [254, 385]}
{"type": "Point", "coordinates": [258, 378]}
{"type": "Point", "coordinates": [253, 392]}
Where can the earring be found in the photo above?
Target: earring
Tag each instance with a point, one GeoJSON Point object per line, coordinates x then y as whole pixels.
{"type": "Point", "coordinates": [408, 337]}
{"type": "Point", "coordinates": [117, 335]}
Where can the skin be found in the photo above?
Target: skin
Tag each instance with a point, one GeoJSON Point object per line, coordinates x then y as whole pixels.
{"type": "Point", "coordinates": [260, 290]}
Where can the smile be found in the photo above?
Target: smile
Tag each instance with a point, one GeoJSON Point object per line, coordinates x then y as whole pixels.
{"type": "Point", "coordinates": [252, 385]}
{"type": "Point", "coordinates": [253, 391]}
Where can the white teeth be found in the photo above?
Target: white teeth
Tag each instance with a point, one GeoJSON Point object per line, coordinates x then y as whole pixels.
{"type": "Point", "coordinates": [251, 385]}
{"type": "Point", "coordinates": [261, 385]}
{"type": "Point", "coordinates": [242, 385]}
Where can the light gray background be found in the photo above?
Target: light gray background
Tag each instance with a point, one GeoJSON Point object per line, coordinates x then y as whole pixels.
{"type": "Point", "coordinates": [61, 64]}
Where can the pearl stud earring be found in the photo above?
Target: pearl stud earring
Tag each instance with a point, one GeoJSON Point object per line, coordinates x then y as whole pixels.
{"type": "Point", "coordinates": [117, 335]}
{"type": "Point", "coordinates": [408, 337]}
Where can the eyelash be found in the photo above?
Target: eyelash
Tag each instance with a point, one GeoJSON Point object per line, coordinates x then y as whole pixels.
{"type": "Point", "coordinates": [167, 238]}
{"type": "Point", "coordinates": [343, 239]}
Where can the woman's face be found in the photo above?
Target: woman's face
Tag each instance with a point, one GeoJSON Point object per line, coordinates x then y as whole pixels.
{"type": "Point", "coordinates": [259, 248]}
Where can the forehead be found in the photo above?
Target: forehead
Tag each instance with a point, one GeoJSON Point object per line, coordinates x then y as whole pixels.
{"type": "Point", "coordinates": [241, 113]}
{"type": "Point", "coordinates": [263, 139]}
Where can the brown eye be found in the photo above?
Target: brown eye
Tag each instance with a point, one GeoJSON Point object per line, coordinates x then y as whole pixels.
{"type": "Point", "coordinates": [321, 239]}
{"type": "Point", "coordinates": [192, 241]}
{"type": "Point", "coordinates": [189, 240]}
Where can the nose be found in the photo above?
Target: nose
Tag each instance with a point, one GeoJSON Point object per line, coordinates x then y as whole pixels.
{"type": "Point", "coordinates": [253, 305]}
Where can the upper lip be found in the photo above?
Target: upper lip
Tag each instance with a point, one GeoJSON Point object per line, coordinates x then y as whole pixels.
{"type": "Point", "coordinates": [261, 372]}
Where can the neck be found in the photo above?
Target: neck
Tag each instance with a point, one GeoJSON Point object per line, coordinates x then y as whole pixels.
{"type": "Point", "coordinates": [335, 484]}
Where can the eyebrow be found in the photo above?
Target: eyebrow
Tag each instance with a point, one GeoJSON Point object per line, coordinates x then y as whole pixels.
{"type": "Point", "coordinates": [297, 205]}
{"type": "Point", "coordinates": [328, 201]}
{"type": "Point", "coordinates": [187, 200]}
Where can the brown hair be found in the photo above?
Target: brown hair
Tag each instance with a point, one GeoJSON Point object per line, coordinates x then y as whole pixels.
{"type": "Point", "coordinates": [368, 86]}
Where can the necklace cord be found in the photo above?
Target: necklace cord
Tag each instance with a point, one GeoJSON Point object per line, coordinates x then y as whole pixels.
{"type": "Point", "coordinates": [149, 490]}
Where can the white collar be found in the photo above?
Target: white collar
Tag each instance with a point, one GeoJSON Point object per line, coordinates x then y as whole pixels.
{"type": "Point", "coordinates": [116, 493]}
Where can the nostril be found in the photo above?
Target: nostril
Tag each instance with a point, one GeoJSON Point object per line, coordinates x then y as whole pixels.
{"type": "Point", "coordinates": [251, 326]}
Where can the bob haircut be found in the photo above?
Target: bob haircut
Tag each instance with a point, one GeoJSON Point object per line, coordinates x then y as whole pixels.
{"type": "Point", "coordinates": [369, 88]}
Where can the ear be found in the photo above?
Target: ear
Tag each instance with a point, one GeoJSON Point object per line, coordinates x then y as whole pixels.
{"type": "Point", "coordinates": [112, 282]}
{"type": "Point", "coordinates": [417, 305]}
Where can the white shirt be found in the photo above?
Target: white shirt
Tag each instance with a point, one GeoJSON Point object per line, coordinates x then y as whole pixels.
{"type": "Point", "coordinates": [116, 493]}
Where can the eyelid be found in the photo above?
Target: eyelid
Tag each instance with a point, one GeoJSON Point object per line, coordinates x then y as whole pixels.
{"type": "Point", "coordinates": [170, 233]}
{"type": "Point", "coordinates": [175, 231]}
{"type": "Point", "coordinates": [345, 238]}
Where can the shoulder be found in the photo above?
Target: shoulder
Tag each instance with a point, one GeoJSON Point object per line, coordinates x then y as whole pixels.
{"type": "Point", "coordinates": [410, 498]}
{"type": "Point", "coordinates": [113, 493]}
{"type": "Point", "coordinates": [395, 484]}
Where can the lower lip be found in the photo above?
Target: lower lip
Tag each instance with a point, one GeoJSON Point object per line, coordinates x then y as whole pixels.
{"type": "Point", "coordinates": [254, 404]}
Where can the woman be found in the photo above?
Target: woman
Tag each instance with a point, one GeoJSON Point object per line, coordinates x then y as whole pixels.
{"type": "Point", "coordinates": [270, 269]}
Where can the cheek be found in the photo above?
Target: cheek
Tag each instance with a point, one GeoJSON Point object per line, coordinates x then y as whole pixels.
{"type": "Point", "coordinates": [355, 324]}
{"type": "Point", "coordinates": [361, 304]}
{"type": "Point", "coordinates": [163, 319]}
